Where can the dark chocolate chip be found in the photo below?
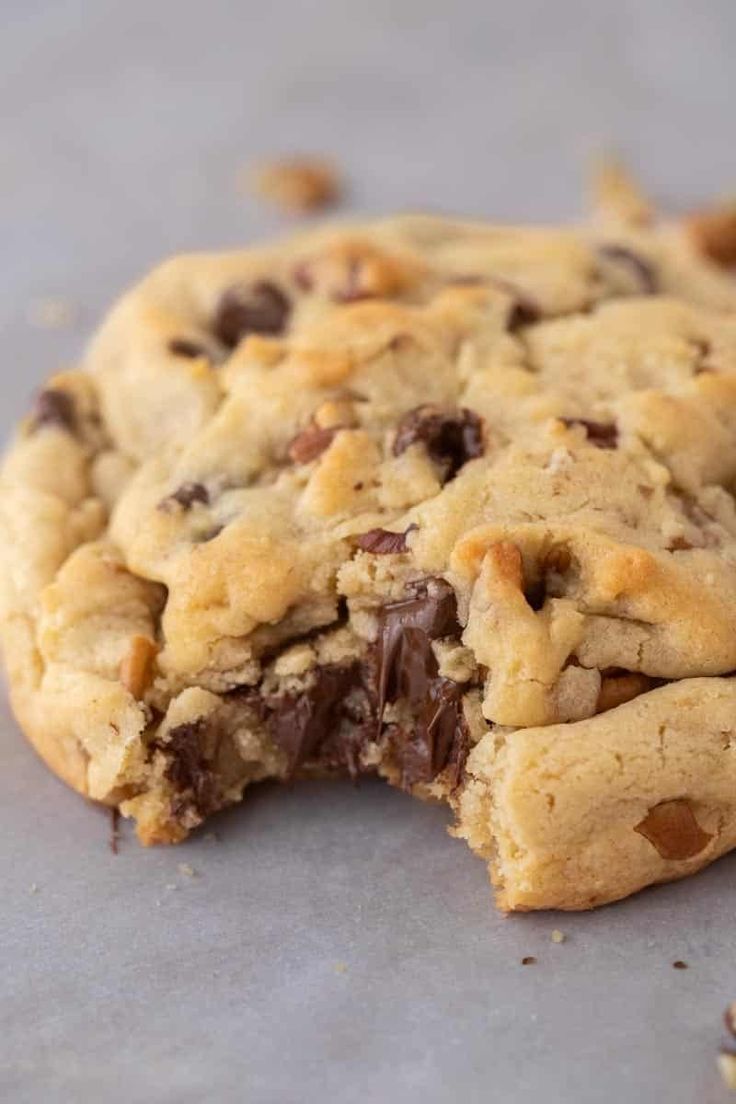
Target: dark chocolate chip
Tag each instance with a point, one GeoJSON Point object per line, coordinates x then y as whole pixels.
{"type": "Point", "coordinates": [523, 312]}
{"type": "Point", "coordinates": [54, 407]}
{"type": "Point", "coordinates": [603, 435]}
{"type": "Point", "coordinates": [642, 270]}
{"type": "Point", "coordinates": [188, 768]}
{"type": "Point", "coordinates": [383, 542]}
{"type": "Point", "coordinates": [528, 960]}
{"type": "Point", "coordinates": [261, 308]}
{"type": "Point", "coordinates": [186, 496]}
{"type": "Point", "coordinates": [536, 594]}
{"type": "Point", "coordinates": [407, 669]}
{"type": "Point", "coordinates": [679, 964]}
{"type": "Point", "coordinates": [329, 722]}
{"type": "Point", "coordinates": [311, 443]}
{"type": "Point", "coordinates": [180, 346]}
{"type": "Point", "coordinates": [450, 437]}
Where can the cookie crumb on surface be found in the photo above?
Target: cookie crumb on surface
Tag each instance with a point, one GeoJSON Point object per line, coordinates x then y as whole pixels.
{"type": "Point", "coordinates": [33, 887]}
{"type": "Point", "coordinates": [51, 313]}
{"type": "Point", "coordinates": [296, 184]}
{"type": "Point", "coordinates": [558, 936]}
{"type": "Point", "coordinates": [341, 967]}
{"type": "Point", "coordinates": [187, 870]}
{"type": "Point", "coordinates": [678, 964]}
{"type": "Point", "coordinates": [727, 1068]}
{"type": "Point", "coordinates": [528, 960]}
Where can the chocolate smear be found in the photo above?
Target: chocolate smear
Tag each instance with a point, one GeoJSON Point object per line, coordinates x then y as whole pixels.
{"type": "Point", "coordinates": [311, 443]}
{"type": "Point", "coordinates": [260, 308]}
{"type": "Point", "coordinates": [603, 435]}
{"type": "Point", "coordinates": [186, 495]}
{"type": "Point", "coordinates": [54, 407]}
{"type": "Point", "coordinates": [642, 270]}
{"type": "Point", "coordinates": [181, 346]}
{"type": "Point", "coordinates": [451, 438]}
{"type": "Point", "coordinates": [383, 542]}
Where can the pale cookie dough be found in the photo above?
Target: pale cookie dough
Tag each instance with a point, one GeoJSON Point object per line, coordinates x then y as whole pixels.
{"type": "Point", "coordinates": [446, 501]}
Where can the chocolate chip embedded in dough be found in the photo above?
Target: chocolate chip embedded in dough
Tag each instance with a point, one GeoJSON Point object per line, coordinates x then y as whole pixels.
{"type": "Point", "coordinates": [672, 829]}
{"type": "Point", "coordinates": [451, 437]}
{"type": "Point", "coordinates": [54, 407]}
{"type": "Point", "coordinates": [311, 443]}
{"type": "Point", "coordinates": [260, 308]}
{"type": "Point", "coordinates": [603, 435]}
{"type": "Point", "coordinates": [188, 767]}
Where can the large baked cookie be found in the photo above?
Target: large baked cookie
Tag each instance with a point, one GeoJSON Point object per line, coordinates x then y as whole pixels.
{"type": "Point", "coordinates": [441, 500]}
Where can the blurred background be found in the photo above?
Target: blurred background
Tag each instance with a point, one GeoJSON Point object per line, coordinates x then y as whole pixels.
{"type": "Point", "coordinates": [333, 945]}
{"type": "Point", "coordinates": [126, 126]}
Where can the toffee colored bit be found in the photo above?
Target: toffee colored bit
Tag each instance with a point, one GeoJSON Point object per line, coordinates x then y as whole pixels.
{"type": "Point", "coordinates": [603, 435]}
{"type": "Point", "coordinates": [528, 960]}
{"type": "Point", "coordinates": [383, 542]}
{"type": "Point", "coordinates": [298, 184]}
{"type": "Point", "coordinates": [54, 407]}
{"type": "Point", "coordinates": [451, 438]}
{"type": "Point", "coordinates": [672, 829]}
{"type": "Point", "coordinates": [260, 308]}
{"type": "Point", "coordinates": [523, 312]}
{"type": "Point", "coordinates": [642, 270]}
{"type": "Point", "coordinates": [311, 443]}
{"type": "Point", "coordinates": [678, 964]}
{"type": "Point", "coordinates": [181, 346]}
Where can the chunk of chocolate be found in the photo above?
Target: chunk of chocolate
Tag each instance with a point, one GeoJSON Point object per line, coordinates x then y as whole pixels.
{"type": "Point", "coordinates": [383, 542]}
{"type": "Point", "coordinates": [603, 435]}
{"type": "Point", "coordinates": [311, 443]}
{"type": "Point", "coordinates": [260, 308]}
{"type": "Point", "coordinates": [407, 669]}
{"type": "Point", "coordinates": [672, 829]}
{"type": "Point", "coordinates": [186, 495]}
{"type": "Point", "coordinates": [54, 407]}
{"type": "Point", "coordinates": [181, 346]}
{"type": "Point", "coordinates": [328, 722]}
{"type": "Point", "coordinates": [641, 270]}
{"type": "Point", "coordinates": [188, 768]}
{"type": "Point", "coordinates": [451, 438]}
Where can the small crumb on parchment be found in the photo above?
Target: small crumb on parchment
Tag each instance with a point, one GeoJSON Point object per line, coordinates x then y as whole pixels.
{"type": "Point", "coordinates": [187, 870]}
{"type": "Point", "coordinates": [678, 964]}
{"type": "Point", "coordinates": [295, 184]}
{"type": "Point", "coordinates": [528, 960]}
{"type": "Point", "coordinates": [33, 888]}
{"type": "Point", "coordinates": [557, 936]}
{"type": "Point", "coordinates": [51, 313]}
{"type": "Point", "coordinates": [341, 967]}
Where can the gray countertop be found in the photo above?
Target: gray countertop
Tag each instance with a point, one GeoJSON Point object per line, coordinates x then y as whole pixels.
{"type": "Point", "coordinates": [334, 944]}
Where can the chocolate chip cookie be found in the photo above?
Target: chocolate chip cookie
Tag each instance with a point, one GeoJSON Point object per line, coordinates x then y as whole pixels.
{"type": "Point", "coordinates": [444, 501]}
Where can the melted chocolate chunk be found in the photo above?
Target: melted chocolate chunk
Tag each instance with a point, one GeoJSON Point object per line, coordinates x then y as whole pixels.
{"type": "Point", "coordinates": [601, 434]}
{"type": "Point", "coordinates": [329, 722]}
{"type": "Point", "coordinates": [54, 407]}
{"type": "Point", "coordinates": [180, 346]}
{"type": "Point", "coordinates": [188, 768]}
{"type": "Point", "coordinates": [523, 312]}
{"type": "Point", "coordinates": [382, 542]}
{"type": "Point", "coordinates": [261, 309]}
{"type": "Point", "coordinates": [311, 443]}
{"type": "Point", "coordinates": [407, 669]}
{"type": "Point", "coordinates": [450, 437]}
{"type": "Point", "coordinates": [186, 496]}
{"type": "Point", "coordinates": [643, 271]}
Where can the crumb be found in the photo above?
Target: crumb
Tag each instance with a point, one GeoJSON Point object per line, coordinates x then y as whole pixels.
{"type": "Point", "coordinates": [727, 1068]}
{"type": "Point", "coordinates": [172, 885]}
{"type": "Point", "coordinates": [187, 870]}
{"type": "Point", "coordinates": [296, 184]}
{"type": "Point", "coordinates": [680, 965]}
{"type": "Point", "coordinates": [341, 967]}
{"type": "Point", "coordinates": [51, 314]}
{"type": "Point", "coordinates": [528, 960]}
{"type": "Point", "coordinates": [729, 1018]}
{"type": "Point", "coordinates": [558, 936]}
{"type": "Point", "coordinates": [33, 888]}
